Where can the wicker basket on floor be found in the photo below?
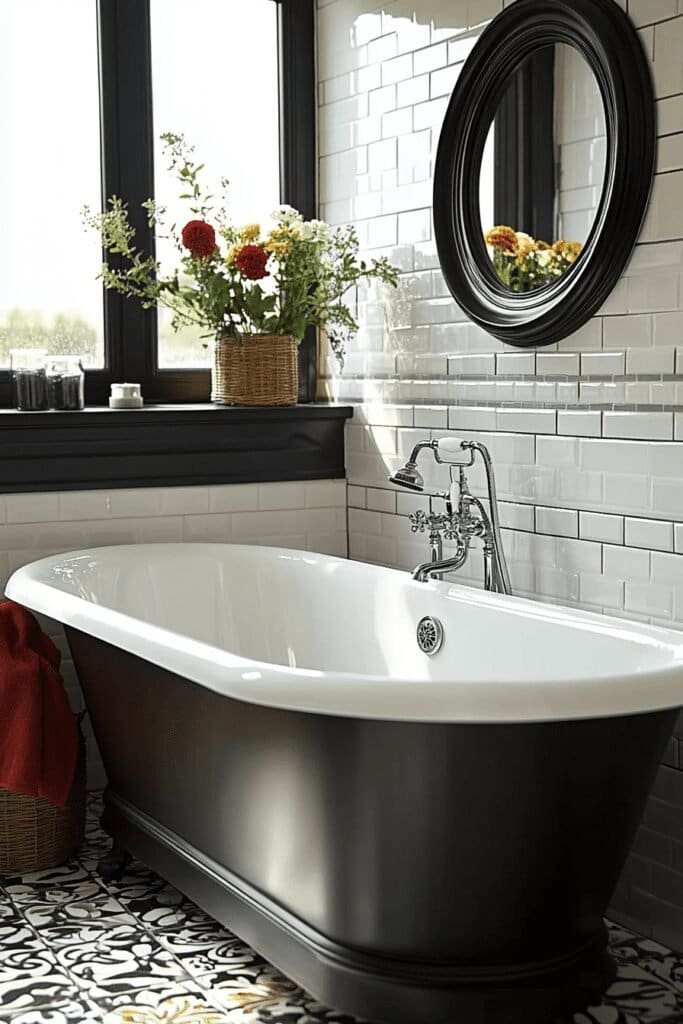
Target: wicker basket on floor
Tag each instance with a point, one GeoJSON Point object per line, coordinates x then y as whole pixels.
{"type": "Point", "coordinates": [256, 369]}
{"type": "Point", "coordinates": [34, 834]}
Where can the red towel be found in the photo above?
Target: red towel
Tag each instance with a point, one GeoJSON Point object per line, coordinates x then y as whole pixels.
{"type": "Point", "coordinates": [38, 732]}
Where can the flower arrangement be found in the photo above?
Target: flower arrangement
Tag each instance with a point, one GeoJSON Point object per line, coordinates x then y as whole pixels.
{"type": "Point", "coordinates": [237, 281]}
{"type": "Point", "coordinates": [523, 263]}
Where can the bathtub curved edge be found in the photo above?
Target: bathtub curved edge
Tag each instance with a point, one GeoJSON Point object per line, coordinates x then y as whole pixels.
{"type": "Point", "coordinates": [354, 695]}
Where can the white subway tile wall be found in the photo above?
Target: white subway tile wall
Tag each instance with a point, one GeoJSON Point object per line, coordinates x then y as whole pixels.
{"type": "Point", "coordinates": [309, 516]}
{"type": "Point", "coordinates": [586, 435]}
{"type": "Point", "coordinates": [580, 138]}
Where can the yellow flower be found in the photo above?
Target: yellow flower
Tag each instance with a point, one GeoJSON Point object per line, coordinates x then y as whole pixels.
{"type": "Point", "coordinates": [282, 234]}
{"type": "Point", "coordinates": [279, 241]}
{"type": "Point", "coordinates": [573, 251]}
{"type": "Point", "coordinates": [250, 232]}
{"type": "Point", "coordinates": [570, 250]}
{"type": "Point", "coordinates": [567, 251]}
{"type": "Point", "coordinates": [279, 249]}
{"type": "Point", "coordinates": [232, 252]}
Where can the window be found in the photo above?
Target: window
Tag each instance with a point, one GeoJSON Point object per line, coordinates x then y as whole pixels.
{"type": "Point", "coordinates": [229, 81]}
{"type": "Point", "coordinates": [50, 160]}
{"type": "Point", "coordinates": [236, 76]}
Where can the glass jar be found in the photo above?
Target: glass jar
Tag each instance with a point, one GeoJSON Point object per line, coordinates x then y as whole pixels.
{"type": "Point", "coordinates": [29, 378]}
{"type": "Point", "coordinates": [65, 383]}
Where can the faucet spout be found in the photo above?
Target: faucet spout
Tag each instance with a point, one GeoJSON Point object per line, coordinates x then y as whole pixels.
{"type": "Point", "coordinates": [435, 570]}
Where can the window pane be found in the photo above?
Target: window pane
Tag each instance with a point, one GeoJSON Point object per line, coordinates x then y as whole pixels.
{"type": "Point", "coordinates": [49, 167]}
{"type": "Point", "coordinates": [215, 80]}
{"type": "Point", "coordinates": [486, 183]}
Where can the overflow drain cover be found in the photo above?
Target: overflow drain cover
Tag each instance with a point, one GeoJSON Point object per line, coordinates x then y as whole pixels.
{"type": "Point", "coordinates": [429, 635]}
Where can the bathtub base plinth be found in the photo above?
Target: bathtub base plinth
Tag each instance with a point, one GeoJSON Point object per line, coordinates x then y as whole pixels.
{"type": "Point", "coordinates": [346, 979]}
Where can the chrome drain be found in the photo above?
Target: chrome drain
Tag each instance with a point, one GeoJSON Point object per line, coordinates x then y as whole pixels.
{"type": "Point", "coordinates": [429, 635]}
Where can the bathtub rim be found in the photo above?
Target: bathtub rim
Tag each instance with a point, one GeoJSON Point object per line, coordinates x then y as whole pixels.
{"type": "Point", "coordinates": [351, 694]}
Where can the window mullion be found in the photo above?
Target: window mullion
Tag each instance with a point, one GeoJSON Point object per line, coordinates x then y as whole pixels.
{"type": "Point", "coordinates": [128, 170]}
{"type": "Point", "coordinates": [298, 178]}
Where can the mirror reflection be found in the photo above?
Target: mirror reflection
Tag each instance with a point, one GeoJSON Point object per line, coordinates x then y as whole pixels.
{"type": "Point", "coordinates": [543, 169]}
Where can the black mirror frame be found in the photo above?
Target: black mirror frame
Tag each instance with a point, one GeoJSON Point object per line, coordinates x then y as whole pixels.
{"type": "Point", "coordinates": [608, 41]}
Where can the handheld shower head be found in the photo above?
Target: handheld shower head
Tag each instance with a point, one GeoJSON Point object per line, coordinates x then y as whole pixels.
{"type": "Point", "coordinates": [409, 477]}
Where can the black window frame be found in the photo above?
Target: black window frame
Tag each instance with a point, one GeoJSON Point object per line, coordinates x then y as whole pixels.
{"type": "Point", "coordinates": [127, 145]}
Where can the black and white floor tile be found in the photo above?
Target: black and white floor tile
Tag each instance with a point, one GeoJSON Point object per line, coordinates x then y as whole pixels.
{"type": "Point", "coordinates": [76, 949]}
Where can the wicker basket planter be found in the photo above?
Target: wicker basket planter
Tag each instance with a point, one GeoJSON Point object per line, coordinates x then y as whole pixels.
{"type": "Point", "coordinates": [257, 369]}
{"type": "Point", "coordinates": [34, 834]}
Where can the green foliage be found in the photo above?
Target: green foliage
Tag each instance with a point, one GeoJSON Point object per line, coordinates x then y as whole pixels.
{"type": "Point", "coordinates": [64, 335]}
{"type": "Point", "coordinates": [310, 267]}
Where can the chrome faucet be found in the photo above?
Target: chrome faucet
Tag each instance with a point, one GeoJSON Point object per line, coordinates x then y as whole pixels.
{"type": "Point", "coordinates": [462, 524]}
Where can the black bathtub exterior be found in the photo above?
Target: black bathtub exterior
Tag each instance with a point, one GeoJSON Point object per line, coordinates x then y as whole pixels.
{"type": "Point", "coordinates": [414, 873]}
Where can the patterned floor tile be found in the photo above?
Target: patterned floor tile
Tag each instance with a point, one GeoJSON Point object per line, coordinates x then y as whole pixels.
{"type": "Point", "coordinates": [8, 911]}
{"type": "Point", "coordinates": [74, 1011]}
{"type": "Point", "coordinates": [260, 993]}
{"type": "Point", "coordinates": [23, 894]}
{"type": "Point", "coordinates": [201, 944]}
{"type": "Point", "coordinates": [120, 960]}
{"type": "Point", "coordinates": [63, 923]}
{"type": "Point", "coordinates": [30, 976]}
{"type": "Point", "coordinates": [204, 948]}
{"type": "Point", "coordinates": [154, 902]}
{"type": "Point", "coordinates": [180, 1004]}
{"type": "Point", "coordinates": [649, 983]}
{"type": "Point", "coordinates": [71, 873]}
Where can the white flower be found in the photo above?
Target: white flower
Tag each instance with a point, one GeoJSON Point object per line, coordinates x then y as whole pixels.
{"type": "Point", "coordinates": [316, 230]}
{"type": "Point", "coordinates": [525, 243]}
{"type": "Point", "coordinates": [286, 214]}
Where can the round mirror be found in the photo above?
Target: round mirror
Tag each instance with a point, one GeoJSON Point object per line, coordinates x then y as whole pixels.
{"type": "Point", "coordinates": [544, 167]}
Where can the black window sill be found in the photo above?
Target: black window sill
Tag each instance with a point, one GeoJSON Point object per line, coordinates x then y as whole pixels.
{"type": "Point", "coordinates": [169, 445]}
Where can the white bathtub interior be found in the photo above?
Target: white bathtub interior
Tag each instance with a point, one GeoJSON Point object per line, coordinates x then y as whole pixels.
{"type": "Point", "coordinates": [271, 616]}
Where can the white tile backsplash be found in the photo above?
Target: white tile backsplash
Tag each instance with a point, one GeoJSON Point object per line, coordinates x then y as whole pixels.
{"type": "Point", "coordinates": [641, 425]}
{"type": "Point", "coordinates": [579, 423]}
{"type": "Point", "coordinates": [649, 533]}
{"type": "Point", "coordinates": [558, 522]}
{"type": "Point", "coordinates": [601, 527]}
{"type": "Point", "coordinates": [31, 508]}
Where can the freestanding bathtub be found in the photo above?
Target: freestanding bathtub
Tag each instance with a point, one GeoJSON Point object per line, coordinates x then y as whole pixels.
{"type": "Point", "coordinates": [413, 838]}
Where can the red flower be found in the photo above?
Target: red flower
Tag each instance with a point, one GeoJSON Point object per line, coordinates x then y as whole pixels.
{"type": "Point", "coordinates": [200, 238]}
{"type": "Point", "coordinates": [251, 261]}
